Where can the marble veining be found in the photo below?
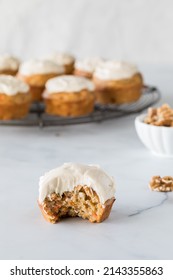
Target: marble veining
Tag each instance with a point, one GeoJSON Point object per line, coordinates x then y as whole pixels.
{"type": "Point", "coordinates": [151, 207]}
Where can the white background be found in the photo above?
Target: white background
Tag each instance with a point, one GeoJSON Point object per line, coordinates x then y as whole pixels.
{"type": "Point", "coordinates": [135, 30]}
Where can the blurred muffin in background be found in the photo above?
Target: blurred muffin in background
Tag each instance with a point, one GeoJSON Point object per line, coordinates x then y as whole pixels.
{"type": "Point", "coordinates": [36, 73]}
{"type": "Point", "coordinates": [117, 82]}
{"type": "Point", "coordinates": [63, 59]}
{"type": "Point", "coordinates": [85, 67]}
{"type": "Point", "coordinates": [9, 65]}
{"type": "Point", "coordinates": [69, 95]}
{"type": "Point", "coordinates": [15, 98]}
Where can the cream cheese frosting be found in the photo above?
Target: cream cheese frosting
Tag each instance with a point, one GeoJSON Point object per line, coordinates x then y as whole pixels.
{"type": "Point", "coordinates": [70, 175]}
{"type": "Point", "coordinates": [8, 62]}
{"type": "Point", "coordinates": [11, 86]}
{"type": "Point", "coordinates": [114, 70]}
{"type": "Point", "coordinates": [61, 58]}
{"type": "Point", "coordinates": [33, 67]}
{"type": "Point", "coordinates": [88, 64]}
{"type": "Point", "coordinates": [68, 83]}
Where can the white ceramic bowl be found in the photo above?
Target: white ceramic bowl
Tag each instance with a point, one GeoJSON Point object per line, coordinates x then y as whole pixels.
{"type": "Point", "coordinates": [158, 139]}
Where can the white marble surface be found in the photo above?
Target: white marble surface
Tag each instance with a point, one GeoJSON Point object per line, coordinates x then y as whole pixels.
{"type": "Point", "coordinates": [140, 225]}
{"type": "Point", "coordinates": [132, 30]}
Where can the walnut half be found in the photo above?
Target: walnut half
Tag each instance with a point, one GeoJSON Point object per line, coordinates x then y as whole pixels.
{"type": "Point", "coordinates": [159, 184]}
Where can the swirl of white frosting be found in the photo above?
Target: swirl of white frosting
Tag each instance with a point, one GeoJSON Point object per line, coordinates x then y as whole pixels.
{"type": "Point", "coordinates": [61, 58]}
{"type": "Point", "coordinates": [33, 67]}
{"type": "Point", "coordinates": [8, 62]}
{"type": "Point", "coordinates": [114, 70]}
{"type": "Point", "coordinates": [70, 175]}
{"type": "Point", "coordinates": [88, 64]}
{"type": "Point", "coordinates": [68, 83]}
{"type": "Point", "coordinates": [11, 86]}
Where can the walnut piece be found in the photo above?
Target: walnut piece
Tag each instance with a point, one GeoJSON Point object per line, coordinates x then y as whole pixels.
{"type": "Point", "coordinates": [159, 184]}
{"type": "Point", "coordinates": [162, 116]}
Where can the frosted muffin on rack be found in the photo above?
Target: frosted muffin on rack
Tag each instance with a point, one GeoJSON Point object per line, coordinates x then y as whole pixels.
{"type": "Point", "coordinates": [63, 59]}
{"type": "Point", "coordinates": [69, 95]}
{"type": "Point", "coordinates": [9, 65]}
{"type": "Point", "coordinates": [85, 67]}
{"type": "Point", "coordinates": [79, 190]}
{"type": "Point", "coordinates": [36, 73]}
{"type": "Point", "coordinates": [117, 82]}
{"type": "Point", "coordinates": [15, 98]}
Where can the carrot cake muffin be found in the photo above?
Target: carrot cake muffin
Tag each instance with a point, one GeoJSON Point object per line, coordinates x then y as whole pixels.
{"type": "Point", "coordinates": [64, 59]}
{"type": "Point", "coordinates": [9, 65]}
{"type": "Point", "coordinates": [14, 98]}
{"type": "Point", "coordinates": [79, 190]}
{"type": "Point", "coordinates": [85, 67]}
{"type": "Point", "coordinates": [36, 73]}
{"type": "Point", "coordinates": [69, 95]}
{"type": "Point", "coordinates": [117, 82]}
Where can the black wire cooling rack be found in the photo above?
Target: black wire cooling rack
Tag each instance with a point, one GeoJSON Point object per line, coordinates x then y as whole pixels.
{"type": "Point", "coordinates": [37, 116]}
